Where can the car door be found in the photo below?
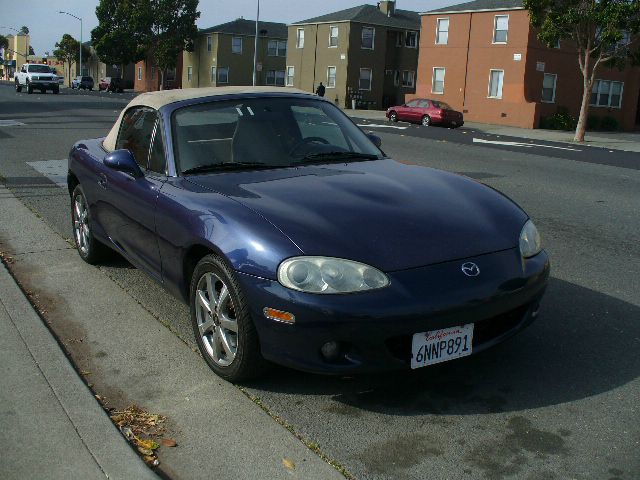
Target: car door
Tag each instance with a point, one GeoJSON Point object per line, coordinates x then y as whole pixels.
{"type": "Point", "coordinates": [413, 111]}
{"type": "Point", "coordinates": [128, 211]}
{"type": "Point", "coordinates": [404, 112]}
{"type": "Point", "coordinates": [424, 108]}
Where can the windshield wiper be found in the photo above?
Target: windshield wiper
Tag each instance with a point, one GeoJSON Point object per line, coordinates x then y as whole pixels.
{"type": "Point", "coordinates": [212, 167]}
{"type": "Point", "coordinates": [336, 156]}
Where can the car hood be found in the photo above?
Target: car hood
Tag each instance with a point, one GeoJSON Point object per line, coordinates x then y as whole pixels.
{"type": "Point", "coordinates": [386, 214]}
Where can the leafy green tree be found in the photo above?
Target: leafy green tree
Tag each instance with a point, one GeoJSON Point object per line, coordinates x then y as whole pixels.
{"type": "Point", "coordinates": [31, 52]}
{"type": "Point", "coordinates": [24, 30]}
{"type": "Point", "coordinates": [68, 51]}
{"type": "Point", "coordinates": [173, 31]}
{"type": "Point", "coordinates": [122, 31]}
{"type": "Point", "coordinates": [4, 42]}
{"type": "Point", "coordinates": [602, 30]}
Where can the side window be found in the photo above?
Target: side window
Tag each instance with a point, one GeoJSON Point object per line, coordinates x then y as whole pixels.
{"type": "Point", "coordinates": [135, 133]}
{"type": "Point", "coordinates": [413, 103]}
{"type": "Point", "coordinates": [425, 104]}
{"type": "Point", "coordinates": [157, 158]}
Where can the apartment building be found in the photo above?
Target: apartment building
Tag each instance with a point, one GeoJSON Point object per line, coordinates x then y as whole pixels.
{"type": "Point", "coordinates": [223, 55]}
{"type": "Point", "coordinates": [148, 78]}
{"type": "Point", "coordinates": [484, 59]}
{"type": "Point", "coordinates": [367, 53]}
{"type": "Point", "coordinates": [16, 54]}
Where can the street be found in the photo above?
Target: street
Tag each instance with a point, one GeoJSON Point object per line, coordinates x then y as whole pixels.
{"type": "Point", "coordinates": [560, 400]}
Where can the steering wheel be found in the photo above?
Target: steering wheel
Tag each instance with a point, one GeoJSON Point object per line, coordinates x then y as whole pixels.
{"type": "Point", "coordinates": [306, 140]}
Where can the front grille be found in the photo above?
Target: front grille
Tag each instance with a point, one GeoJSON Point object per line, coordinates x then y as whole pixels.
{"type": "Point", "coordinates": [483, 332]}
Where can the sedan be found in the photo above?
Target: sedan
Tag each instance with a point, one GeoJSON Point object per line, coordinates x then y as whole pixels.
{"type": "Point", "coordinates": [295, 240]}
{"type": "Point", "coordinates": [427, 112]}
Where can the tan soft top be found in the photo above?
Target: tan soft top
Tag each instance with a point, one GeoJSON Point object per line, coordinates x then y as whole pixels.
{"type": "Point", "coordinates": [157, 100]}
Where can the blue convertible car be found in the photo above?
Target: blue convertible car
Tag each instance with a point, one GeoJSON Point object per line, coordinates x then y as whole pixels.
{"type": "Point", "coordinates": [296, 240]}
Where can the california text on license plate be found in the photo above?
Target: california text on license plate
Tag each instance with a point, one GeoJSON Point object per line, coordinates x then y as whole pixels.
{"type": "Point", "coordinates": [441, 345]}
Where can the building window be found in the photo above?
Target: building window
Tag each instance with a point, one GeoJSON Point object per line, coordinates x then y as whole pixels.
{"type": "Point", "coordinates": [213, 74]}
{"type": "Point", "coordinates": [396, 78]}
{"type": "Point", "coordinates": [557, 44]}
{"type": "Point", "coordinates": [189, 73]}
{"type": "Point", "coordinates": [411, 40]}
{"type": "Point", "coordinates": [271, 77]}
{"type": "Point", "coordinates": [331, 77]}
{"type": "Point", "coordinates": [496, 78]}
{"type": "Point", "coordinates": [365, 79]}
{"type": "Point", "coordinates": [549, 88]}
{"type": "Point", "coordinates": [606, 93]}
{"type": "Point", "coordinates": [223, 74]}
{"type": "Point", "coordinates": [275, 77]}
{"type": "Point", "coordinates": [236, 45]}
{"type": "Point", "coordinates": [500, 28]}
{"type": "Point", "coordinates": [300, 38]}
{"type": "Point", "coordinates": [437, 82]}
{"type": "Point", "coordinates": [442, 31]}
{"type": "Point", "coordinates": [153, 73]}
{"type": "Point", "coordinates": [139, 73]}
{"type": "Point", "coordinates": [368, 37]}
{"type": "Point", "coordinates": [208, 43]}
{"type": "Point", "coordinates": [399, 39]}
{"type": "Point", "coordinates": [277, 48]}
{"type": "Point", "coordinates": [290, 75]}
{"type": "Point", "coordinates": [280, 78]}
{"type": "Point", "coordinates": [408, 79]}
{"type": "Point", "coordinates": [333, 36]}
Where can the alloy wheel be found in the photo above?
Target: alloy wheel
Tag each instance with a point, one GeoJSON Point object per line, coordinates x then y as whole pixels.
{"type": "Point", "coordinates": [81, 224]}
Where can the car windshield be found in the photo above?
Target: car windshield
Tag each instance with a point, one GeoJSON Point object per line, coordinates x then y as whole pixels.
{"type": "Point", "coordinates": [443, 105]}
{"type": "Point", "coordinates": [87, 79]}
{"type": "Point", "coordinates": [256, 133]}
{"type": "Point", "coordinates": [39, 69]}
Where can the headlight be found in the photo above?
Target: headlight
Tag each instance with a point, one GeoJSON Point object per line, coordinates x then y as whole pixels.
{"type": "Point", "coordinates": [530, 243]}
{"type": "Point", "coordinates": [329, 275]}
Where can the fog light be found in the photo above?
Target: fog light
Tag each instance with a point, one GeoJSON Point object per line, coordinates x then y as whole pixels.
{"type": "Point", "coordinates": [330, 350]}
{"type": "Point", "coordinates": [279, 315]}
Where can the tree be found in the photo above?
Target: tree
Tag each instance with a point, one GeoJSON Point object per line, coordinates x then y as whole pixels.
{"type": "Point", "coordinates": [4, 42]}
{"type": "Point", "coordinates": [24, 30]}
{"type": "Point", "coordinates": [602, 30]}
{"type": "Point", "coordinates": [173, 30]}
{"type": "Point", "coordinates": [123, 28]}
{"type": "Point", "coordinates": [68, 50]}
{"type": "Point", "coordinates": [31, 52]}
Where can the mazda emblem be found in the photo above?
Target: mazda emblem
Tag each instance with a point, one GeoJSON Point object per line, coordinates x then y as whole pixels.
{"type": "Point", "coordinates": [470, 269]}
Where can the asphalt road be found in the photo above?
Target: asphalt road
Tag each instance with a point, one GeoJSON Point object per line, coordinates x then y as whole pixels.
{"type": "Point", "coordinates": [561, 400]}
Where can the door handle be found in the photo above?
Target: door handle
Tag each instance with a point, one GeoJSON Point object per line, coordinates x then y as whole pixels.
{"type": "Point", "coordinates": [102, 180]}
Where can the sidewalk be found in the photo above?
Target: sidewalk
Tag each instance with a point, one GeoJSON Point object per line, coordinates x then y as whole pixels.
{"type": "Point", "coordinates": [50, 424]}
{"type": "Point", "coordinates": [628, 141]}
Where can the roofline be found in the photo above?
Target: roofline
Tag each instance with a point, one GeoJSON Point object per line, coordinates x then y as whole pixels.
{"type": "Point", "coordinates": [350, 21]}
{"type": "Point", "coordinates": [450, 12]}
{"type": "Point", "coordinates": [243, 35]}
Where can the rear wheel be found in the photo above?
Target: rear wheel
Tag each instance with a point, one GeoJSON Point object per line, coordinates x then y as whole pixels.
{"type": "Point", "coordinates": [393, 116]}
{"type": "Point", "coordinates": [426, 120]}
{"type": "Point", "coordinates": [90, 250]}
{"type": "Point", "coordinates": [56, 90]}
{"type": "Point", "coordinates": [223, 328]}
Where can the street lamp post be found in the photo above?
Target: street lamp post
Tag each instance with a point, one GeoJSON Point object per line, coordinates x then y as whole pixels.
{"type": "Point", "coordinates": [77, 18]}
{"type": "Point", "coordinates": [255, 49]}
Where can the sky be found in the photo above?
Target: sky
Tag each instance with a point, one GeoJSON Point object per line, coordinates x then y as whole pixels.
{"type": "Point", "coordinates": [46, 25]}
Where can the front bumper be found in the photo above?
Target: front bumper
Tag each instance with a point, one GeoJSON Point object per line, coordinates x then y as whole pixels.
{"type": "Point", "coordinates": [44, 83]}
{"type": "Point", "coordinates": [374, 329]}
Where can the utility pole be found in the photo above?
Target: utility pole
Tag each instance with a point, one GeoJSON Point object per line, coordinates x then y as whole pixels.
{"type": "Point", "coordinates": [77, 18]}
{"type": "Point", "coordinates": [255, 50]}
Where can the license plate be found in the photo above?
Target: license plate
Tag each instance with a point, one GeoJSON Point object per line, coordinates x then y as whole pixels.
{"type": "Point", "coordinates": [441, 345]}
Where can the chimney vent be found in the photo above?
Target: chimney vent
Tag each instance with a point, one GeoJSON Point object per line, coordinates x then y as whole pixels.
{"type": "Point", "coordinates": [388, 7]}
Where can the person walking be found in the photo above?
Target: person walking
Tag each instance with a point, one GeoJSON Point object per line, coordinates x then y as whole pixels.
{"type": "Point", "coordinates": [320, 90]}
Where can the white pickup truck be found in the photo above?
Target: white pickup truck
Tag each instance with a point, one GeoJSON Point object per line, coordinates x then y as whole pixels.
{"type": "Point", "coordinates": [33, 76]}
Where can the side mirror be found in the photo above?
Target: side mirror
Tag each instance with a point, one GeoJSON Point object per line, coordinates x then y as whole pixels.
{"type": "Point", "coordinates": [376, 140]}
{"type": "Point", "coordinates": [123, 161]}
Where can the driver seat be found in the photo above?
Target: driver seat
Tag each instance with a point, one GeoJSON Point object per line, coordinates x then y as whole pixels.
{"type": "Point", "coordinates": [260, 138]}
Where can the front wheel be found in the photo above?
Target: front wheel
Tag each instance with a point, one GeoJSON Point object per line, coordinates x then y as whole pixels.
{"type": "Point", "coordinates": [223, 328]}
{"type": "Point", "coordinates": [393, 116]}
{"type": "Point", "coordinates": [18, 87]}
{"type": "Point", "coordinates": [90, 250]}
{"type": "Point", "coordinates": [426, 120]}
{"type": "Point", "coordinates": [29, 88]}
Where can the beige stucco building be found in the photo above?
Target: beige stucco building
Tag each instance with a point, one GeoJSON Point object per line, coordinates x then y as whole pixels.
{"type": "Point", "coordinates": [223, 55]}
{"type": "Point", "coordinates": [367, 53]}
{"type": "Point", "coordinates": [16, 55]}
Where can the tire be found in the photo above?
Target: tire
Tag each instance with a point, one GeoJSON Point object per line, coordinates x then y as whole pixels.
{"type": "Point", "coordinates": [426, 121]}
{"type": "Point", "coordinates": [393, 117]}
{"type": "Point", "coordinates": [232, 355]}
{"type": "Point", "coordinates": [56, 90]}
{"type": "Point", "coordinates": [89, 249]}
{"type": "Point", "coordinates": [18, 87]}
{"type": "Point", "coordinates": [29, 88]}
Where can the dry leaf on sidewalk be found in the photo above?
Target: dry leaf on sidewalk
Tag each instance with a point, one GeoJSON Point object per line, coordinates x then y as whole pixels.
{"type": "Point", "coordinates": [168, 442]}
{"type": "Point", "coordinates": [288, 464]}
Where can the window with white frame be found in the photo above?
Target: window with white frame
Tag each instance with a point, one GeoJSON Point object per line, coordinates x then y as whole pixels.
{"type": "Point", "coordinates": [365, 79]}
{"type": "Point", "coordinates": [290, 76]}
{"type": "Point", "coordinates": [368, 37]}
{"type": "Point", "coordinates": [189, 73]}
{"type": "Point", "coordinates": [607, 93]}
{"type": "Point", "coordinates": [277, 48]}
{"type": "Point", "coordinates": [409, 79]}
{"type": "Point", "coordinates": [300, 38]}
{"type": "Point", "coordinates": [442, 31]}
{"type": "Point", "coordinates": [139, 73]}
{"type": "Point", "coordinates": [213, 74]}
{"type": "Point", "coordinates": [331, 77]}
{"type": "Point", "coordinates": [208, 43]}
{"type": "Point", "coordinates": [496, 79]}
{"type": "Point", "coordinates": [333, 36]}
{"type": "Point", "coordinates": [411, 40]}
{"type": "Point", "coordinates": [437, 81]}
{"type": "Point", "coordinates": [236, 45]}
{"type": "Point", "coordinates": [223, 74]}
{"type": "Point", "coordinates": [500, 28]}
{"type": "Point", "coordinates": [549, 87]}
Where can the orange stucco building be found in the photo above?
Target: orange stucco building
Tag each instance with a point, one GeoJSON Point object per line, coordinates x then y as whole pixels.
{"type": "Point", "coordinates": [484, 59]}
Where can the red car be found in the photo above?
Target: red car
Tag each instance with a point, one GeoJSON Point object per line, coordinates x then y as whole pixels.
{"type": "Point", "coordinates": [427, 112]}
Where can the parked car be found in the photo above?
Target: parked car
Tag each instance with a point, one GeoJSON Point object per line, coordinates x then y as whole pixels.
{"type": "Point", "coordinates": [36, 76]}
{"type": "Point", "coordinates": [296, 240]}
{"type": "Point", "coordinates": [104, 83]}
{"type": "Point", "coordinates": [111, 84]}
{"type": "Point", "coordinates": [427, 112]}
{"type": "Point", "coordinates": [85, 83]}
